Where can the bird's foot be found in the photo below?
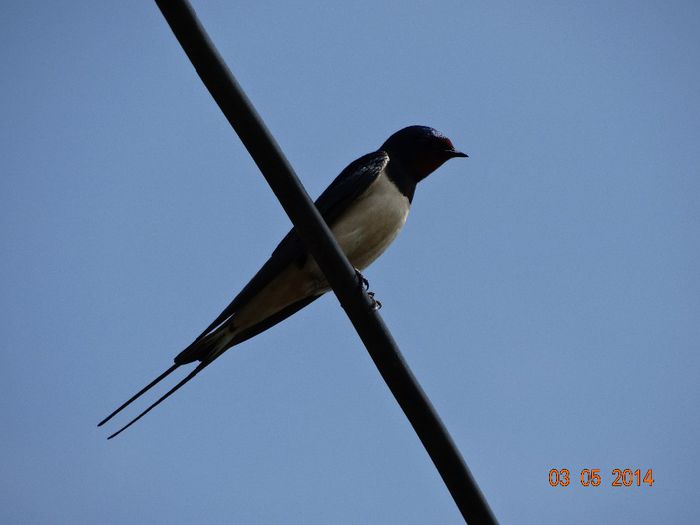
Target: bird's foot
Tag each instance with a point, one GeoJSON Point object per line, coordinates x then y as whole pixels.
{"type": "Point", "coordinates": [376, 304]}
{"type": "Point", "coordinates": [364, 284]}
{"type": "Point", "coordinates": [362, 281]}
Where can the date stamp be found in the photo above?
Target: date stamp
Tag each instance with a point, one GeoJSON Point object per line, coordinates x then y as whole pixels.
{"type": "Point", "coordinates": [591, 477]}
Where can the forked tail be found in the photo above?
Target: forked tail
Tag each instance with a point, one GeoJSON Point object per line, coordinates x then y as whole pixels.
{"type": "Point", "coordinates": [206, 349]}
{"type": "Point", "coordinates": [170, 392]}
{"type": "Point", "coordinates": [140, 393]}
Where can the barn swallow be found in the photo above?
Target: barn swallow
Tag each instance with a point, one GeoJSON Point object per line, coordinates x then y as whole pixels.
{"type": "Point", "coordinates": [365, 207]}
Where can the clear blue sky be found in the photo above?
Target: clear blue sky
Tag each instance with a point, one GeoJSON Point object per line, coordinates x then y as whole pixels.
{"type": "Point", "coordinates": [545, 291]}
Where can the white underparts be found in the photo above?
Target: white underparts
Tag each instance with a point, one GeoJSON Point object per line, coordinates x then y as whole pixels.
{"type": "Point", "coordinates": [368, 227]}
{"type": "Point", "coordinates": [364, 231]}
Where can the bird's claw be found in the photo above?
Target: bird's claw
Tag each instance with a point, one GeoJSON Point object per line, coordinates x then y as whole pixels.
{"type": "Point", "coordinates": [376, 304]}
{"type": "Point", "coordinates": [364, 283]}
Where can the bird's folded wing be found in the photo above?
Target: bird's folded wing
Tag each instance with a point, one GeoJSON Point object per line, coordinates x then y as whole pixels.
{"type": "Point", "coordinates": [346, 187]}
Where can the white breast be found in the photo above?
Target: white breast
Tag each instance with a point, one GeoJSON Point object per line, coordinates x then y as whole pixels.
{"type": "Point", "coordinates": [363, 231]}
{"type": "Point", "coordinates": [369, 226]}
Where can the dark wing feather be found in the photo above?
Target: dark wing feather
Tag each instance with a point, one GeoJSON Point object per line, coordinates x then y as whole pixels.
{"type": "Point", "coordinates": [351, 182]}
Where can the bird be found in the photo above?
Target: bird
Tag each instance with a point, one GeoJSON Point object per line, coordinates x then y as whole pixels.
{"type": "Point", "coordinates": [365, 207]}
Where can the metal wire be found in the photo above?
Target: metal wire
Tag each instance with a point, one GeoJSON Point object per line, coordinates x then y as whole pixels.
{"type": "Point", "coordinates": [322, 245]}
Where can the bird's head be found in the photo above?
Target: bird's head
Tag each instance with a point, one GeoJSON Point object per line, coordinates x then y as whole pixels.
{"type": "Point", "coordinates": [420, 150]}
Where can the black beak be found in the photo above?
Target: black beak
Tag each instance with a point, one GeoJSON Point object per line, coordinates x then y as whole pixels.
{"type": "Point", "coordinates": [455, 153]}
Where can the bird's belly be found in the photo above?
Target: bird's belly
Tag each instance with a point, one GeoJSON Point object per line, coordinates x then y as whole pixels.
{"type": "Point", "coordinates": [291, 285]}
{"type": "Point", "coordinates": [368, 227]}
{"type": "Point", "coordinates": [363, 232]}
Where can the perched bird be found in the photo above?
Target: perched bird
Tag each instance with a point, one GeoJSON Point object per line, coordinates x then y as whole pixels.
{"type": "Point", "coordinates": [365, 207]}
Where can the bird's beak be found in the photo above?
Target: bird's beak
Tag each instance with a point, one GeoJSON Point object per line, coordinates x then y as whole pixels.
{"type": "Point", "coordinates": [455, 153]}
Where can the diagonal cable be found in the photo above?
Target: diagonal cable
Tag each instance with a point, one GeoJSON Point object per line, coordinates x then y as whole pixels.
{"type": "Point", "coordinates": [322, 245]}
